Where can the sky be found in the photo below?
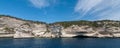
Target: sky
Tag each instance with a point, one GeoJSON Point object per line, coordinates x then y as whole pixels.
{"type": "Point", "coordinates": [61, 10]}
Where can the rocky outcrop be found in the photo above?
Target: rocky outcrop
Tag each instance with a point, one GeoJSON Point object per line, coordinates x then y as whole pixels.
{"type": "Point", "coordinates": [19, 28]}
{"type": "Point", "coordinates": [87, 31]}
{"type": "Point", "coordinates": [23, 31]}
{"type": "Point", "coordinates": [103, 28]}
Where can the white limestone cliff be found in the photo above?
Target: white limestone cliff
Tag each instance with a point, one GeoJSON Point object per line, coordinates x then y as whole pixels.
{"type": "Point", "coordinates": [17, 28]}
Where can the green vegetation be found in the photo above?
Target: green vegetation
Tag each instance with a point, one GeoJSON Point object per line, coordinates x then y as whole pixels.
{"type": "Point", "coordinates": [26, 24]}
{"type": "Point", "coordinates": [89, 23]}
{"type": "Point", "coordinates": [38, 22]}
{"type": "Point", "coordinates": [65, 24]}
{"type": "Point", "coordinates": [10, 30]}
{"type": "Point", "coordinates": [69, 23]}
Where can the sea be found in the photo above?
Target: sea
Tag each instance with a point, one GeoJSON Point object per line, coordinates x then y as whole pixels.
{"type": "Point", "coordinates": [60, 43]}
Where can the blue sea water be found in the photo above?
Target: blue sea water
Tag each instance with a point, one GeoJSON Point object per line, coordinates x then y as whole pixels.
{"type": "Point", "coordinates": [60, 43]}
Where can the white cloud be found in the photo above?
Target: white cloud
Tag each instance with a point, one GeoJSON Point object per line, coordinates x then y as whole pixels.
{"type": "Point", "coordinates": [102, 9]}
{"type": "Point", "coordinates": [112, 16]}
{"type": "Point", "coordinates": [86, 4]}
{"type": "Point", "coordinates": [42, 3]}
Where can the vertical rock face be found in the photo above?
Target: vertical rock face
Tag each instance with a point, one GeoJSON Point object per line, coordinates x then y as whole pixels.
{"type": "Point", "coordinates": [40, 30]}
{"type": "Point", "coordinates": [91, 29]}
{"type": "Point", "coordinates": [7, 26]}
{"type": "Point", "coordinates": [24, 30]}
{"type": "Point", "coordinates": [92, 32]}
{"type": "Point", "coordinates": [56, 30]}
{"type": "Point", "coordinates": [18, 28]}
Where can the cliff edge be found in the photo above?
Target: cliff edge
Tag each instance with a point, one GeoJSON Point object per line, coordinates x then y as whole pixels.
{"type": "Point", "coordinates": [20, 28]}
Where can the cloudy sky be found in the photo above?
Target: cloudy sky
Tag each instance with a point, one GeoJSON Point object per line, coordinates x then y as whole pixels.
{"type": "Point", "coordinates": [61, 10]}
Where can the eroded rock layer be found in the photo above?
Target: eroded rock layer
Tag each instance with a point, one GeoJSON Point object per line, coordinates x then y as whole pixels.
{"type": "Point", "coordinates": [19, 28]}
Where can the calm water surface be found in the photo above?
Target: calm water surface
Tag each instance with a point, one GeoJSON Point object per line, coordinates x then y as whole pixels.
{"type": "Point", "coordinates": [60, 43]}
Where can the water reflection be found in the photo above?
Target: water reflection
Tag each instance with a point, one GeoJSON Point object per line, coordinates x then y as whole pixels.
{"type": "Point", "coordinates": [60, 43]}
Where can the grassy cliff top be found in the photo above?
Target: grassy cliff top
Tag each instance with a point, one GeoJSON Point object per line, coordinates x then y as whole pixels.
{"type": "Point", "coordinates": [38, 22]}
{"type": "Point", "coordinates": [99, 23]}
{"type": "Point", "coordinates": [65, 24]}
